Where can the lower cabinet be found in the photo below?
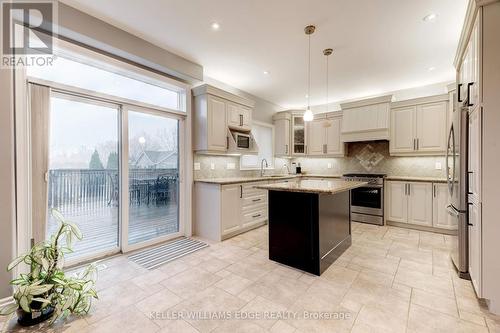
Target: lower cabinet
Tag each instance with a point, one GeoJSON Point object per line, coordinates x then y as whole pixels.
{"type": "Point", "coordinates": [417, 203]}
{"type": "Point", "coordinates": [475, 252]}
{"type": "Point", "coordinates": [223, 211]}
{"type": "Point", "coordinates": [420, 204]}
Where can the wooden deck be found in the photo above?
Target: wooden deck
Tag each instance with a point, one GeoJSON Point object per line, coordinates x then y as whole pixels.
{"type": "Point", "coordinates": [100, 225]}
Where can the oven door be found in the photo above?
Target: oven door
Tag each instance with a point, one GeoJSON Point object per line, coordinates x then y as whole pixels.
{"type": "Point", "coordinates": [368, 200]}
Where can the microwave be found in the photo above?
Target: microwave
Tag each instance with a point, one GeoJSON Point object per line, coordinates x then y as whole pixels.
{"type": "Point", "coordinates": [242, 140]}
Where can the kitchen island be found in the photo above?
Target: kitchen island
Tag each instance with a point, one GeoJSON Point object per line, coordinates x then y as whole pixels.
{"type": "Point", "coordinates": [309, 222]}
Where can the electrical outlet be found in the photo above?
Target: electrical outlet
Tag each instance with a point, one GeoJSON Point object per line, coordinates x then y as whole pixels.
{"type": "Point", "coordinates": [438, 166]}
{"type": "Point", "coordinates": [212, 166]}
{"type": "Point", "coordinates": [329, 165]}
{"type": "Point", "coordinates": [197, 166]}
{"type": "Point", "coordinates": [231, 166]}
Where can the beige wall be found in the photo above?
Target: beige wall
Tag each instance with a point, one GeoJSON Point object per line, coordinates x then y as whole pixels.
{"type": "Point", "coordinates": [88, 30]}
{"type": "Point", "coordinates": [7, 202]}
{"type": "Point", "coordinates": [263, 110]}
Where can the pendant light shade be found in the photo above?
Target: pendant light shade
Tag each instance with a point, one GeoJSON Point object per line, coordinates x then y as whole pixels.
{"type": "Point", "coordinates": [308, 115]}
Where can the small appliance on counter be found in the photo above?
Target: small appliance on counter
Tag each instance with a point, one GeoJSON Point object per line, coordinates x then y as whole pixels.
{"type": "Point", "coordinates": [298, 169]}
{"type": "Point", "coordinates": [367, 202]}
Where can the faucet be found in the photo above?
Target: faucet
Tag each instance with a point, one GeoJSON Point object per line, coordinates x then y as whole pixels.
{"type": "Point", "coordinates": [262, 166]}
{"type": "Point", "coordinates": [287, 168]}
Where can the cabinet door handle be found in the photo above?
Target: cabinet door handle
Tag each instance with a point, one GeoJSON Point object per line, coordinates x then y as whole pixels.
{"type": "Point", "coordinates": [255, 216]}
{"type": "Point", "coordinates": [434, 191]}
{"type": "Point", "coordinates": [255, 200]}
{"type": "Point", "coordinates": [458, 92]}
{"type": "Point", "coordinates": [241, 191]}
{"type": "Point", "coordinates": [406, 189]}
{"type": "Point", "coordinates": [286, 149]}
{"type": "Point", "coordinates": [468, 93]}
{"type": "Point", "coordinates": [418, 144]}
{"type": "Point", "coordinates": [227, 142]}
{"type": "Point", "coordinates": [409, 189]}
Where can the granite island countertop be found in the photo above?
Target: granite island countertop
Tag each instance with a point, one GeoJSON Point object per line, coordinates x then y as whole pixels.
{"type": "Point", "coordinates": [314, 186]}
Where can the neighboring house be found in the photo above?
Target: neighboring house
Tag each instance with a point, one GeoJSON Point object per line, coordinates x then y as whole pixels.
{"type": "Point", "coordinates": [156, 160]}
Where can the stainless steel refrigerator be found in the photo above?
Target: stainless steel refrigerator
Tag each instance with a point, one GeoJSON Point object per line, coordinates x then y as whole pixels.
{"type": "Point", "coordinates": [456, 166]}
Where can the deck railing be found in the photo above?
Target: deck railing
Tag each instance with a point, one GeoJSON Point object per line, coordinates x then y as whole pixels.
{"type": "Point", "coordinates": [84, 189]}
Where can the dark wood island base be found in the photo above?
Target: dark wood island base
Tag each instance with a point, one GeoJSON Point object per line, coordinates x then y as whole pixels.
{"type": "Point", "coordinates": [308, 231]}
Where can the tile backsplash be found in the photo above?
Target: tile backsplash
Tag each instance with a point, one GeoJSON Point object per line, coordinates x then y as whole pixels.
{"type": "Point", "coordinates": [364, 157]}
{"type": "Point", "coordinates": [229, 166]}
{"type": "Point", "coordinates": [373, 157]}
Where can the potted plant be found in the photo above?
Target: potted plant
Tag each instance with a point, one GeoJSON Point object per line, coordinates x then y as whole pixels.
{"type": "Point", "coordinates": [46, 291]}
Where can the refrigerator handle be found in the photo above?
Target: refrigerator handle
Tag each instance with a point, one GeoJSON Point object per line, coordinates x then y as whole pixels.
{"type": "Point", "coordinates": [458, 91]}
{"type": "Point", "coordinates": [468, 93]}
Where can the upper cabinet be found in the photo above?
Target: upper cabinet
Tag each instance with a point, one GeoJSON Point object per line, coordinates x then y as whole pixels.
{"type": "Point", "coordinates": [282, 121]}
{"type": "Point", "coordinates": [320, 137]}
{"type": "Point", "coordinates": [239, 117]}
{"type": "Point", "coordinates": [216, 114]}
{"type": "Point", "coordinates": [419, 126]}
{"type": "Point", "coordinates": [299, 145]}
{"type": "Point", "coordinates": [366, 120]}
{"type": "Point", "coordinates": [324, 135]}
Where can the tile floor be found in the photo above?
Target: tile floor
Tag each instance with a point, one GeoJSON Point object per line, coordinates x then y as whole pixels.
{"type": "Point", "coordinates": [390, 280]}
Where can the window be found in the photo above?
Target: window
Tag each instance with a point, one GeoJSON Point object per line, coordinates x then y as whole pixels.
{"type": "Point", "coordinates": [111, 135]}
{"type": "Point", "coordinates": [103, 78]}
{"type": "Point", "coordinates": [264, 136]}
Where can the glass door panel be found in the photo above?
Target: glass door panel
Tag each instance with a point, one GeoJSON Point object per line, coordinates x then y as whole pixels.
{"type": "Point", "coordinates": [83, 182]}
{"type": "Point", "coordinates": [153, 167]}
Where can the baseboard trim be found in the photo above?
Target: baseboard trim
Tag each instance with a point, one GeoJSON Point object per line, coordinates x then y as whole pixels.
{"type": "Point", "coordinates": [421, 228]}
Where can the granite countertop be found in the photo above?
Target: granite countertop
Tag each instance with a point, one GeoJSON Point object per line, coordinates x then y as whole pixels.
{"type": "Point", "coordinates": [314, 186]}
{"type": "Point", "coordinates": [417, 179]}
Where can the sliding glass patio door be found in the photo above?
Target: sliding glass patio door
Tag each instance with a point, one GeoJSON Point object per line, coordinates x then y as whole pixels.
{"type": "Point", "coordinates": [83, 177]}
{"type": "Point", "coordinates": [114, 170]}
{"type": "Point", "coordinates": [153, 177]}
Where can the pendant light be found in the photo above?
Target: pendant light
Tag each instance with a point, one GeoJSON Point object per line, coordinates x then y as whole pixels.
{"type": "Point", "coordinates": [327, 52]}
{"type": "Point", "coordinates": [308, 115]}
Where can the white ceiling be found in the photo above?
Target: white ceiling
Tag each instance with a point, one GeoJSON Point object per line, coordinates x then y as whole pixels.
{"type": "Point", "coordinates": [379, 45]}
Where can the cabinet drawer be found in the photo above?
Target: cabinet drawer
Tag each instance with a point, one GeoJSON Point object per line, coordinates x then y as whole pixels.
{"type": "Point", "coordinates": [255, 200]}
{"type": "Point", "coordinates": [255, 216]}
{"type": "Point", "coordinates": [249, 190]}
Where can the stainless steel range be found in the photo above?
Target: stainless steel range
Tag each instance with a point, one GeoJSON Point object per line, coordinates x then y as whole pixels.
{"type": "Point", "coordinates": [367, 202]}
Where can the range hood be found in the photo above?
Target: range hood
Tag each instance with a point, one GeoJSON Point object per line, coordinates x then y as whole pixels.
{"type": "Point", "coordinates": [366, 120]}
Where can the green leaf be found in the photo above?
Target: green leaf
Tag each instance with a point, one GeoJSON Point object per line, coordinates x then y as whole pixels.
{"type": "Point", "coordinates": [57, 215]}
{"type": "Point", "coordinates": [15, 262]}
{"type": "Point", "coordinates": [24, 304]}
{"type": "Point", "coordinates": [38, 290]}
{"type": "Point", "coordinates": [41, 300]}
{"type": "Point", "coordinates": [76, 231]}
{"type": "Point", "coordinates": [8, 309]}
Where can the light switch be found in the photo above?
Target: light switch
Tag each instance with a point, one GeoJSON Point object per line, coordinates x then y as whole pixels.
{"type": "Point", "coordinates": [329, 165]}
{"type": "Point", "coordinates": [197, 166]}
{"type": "Point", "coordinates": [438, 166]}
{"type": "Point", "coordinates": [212, 166]}
{"type": "Point", "coordinates": [231, 166]}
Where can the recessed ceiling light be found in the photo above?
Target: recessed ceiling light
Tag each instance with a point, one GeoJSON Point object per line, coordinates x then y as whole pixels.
{"type": "Point", "coordinates": [215, 26]}
{"type": "Point", "coordinates": [430, 69]}
{"type": "Point", "coordinates": [266, 72]}
{"type": "Point", "coordinates": [430, 18]}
